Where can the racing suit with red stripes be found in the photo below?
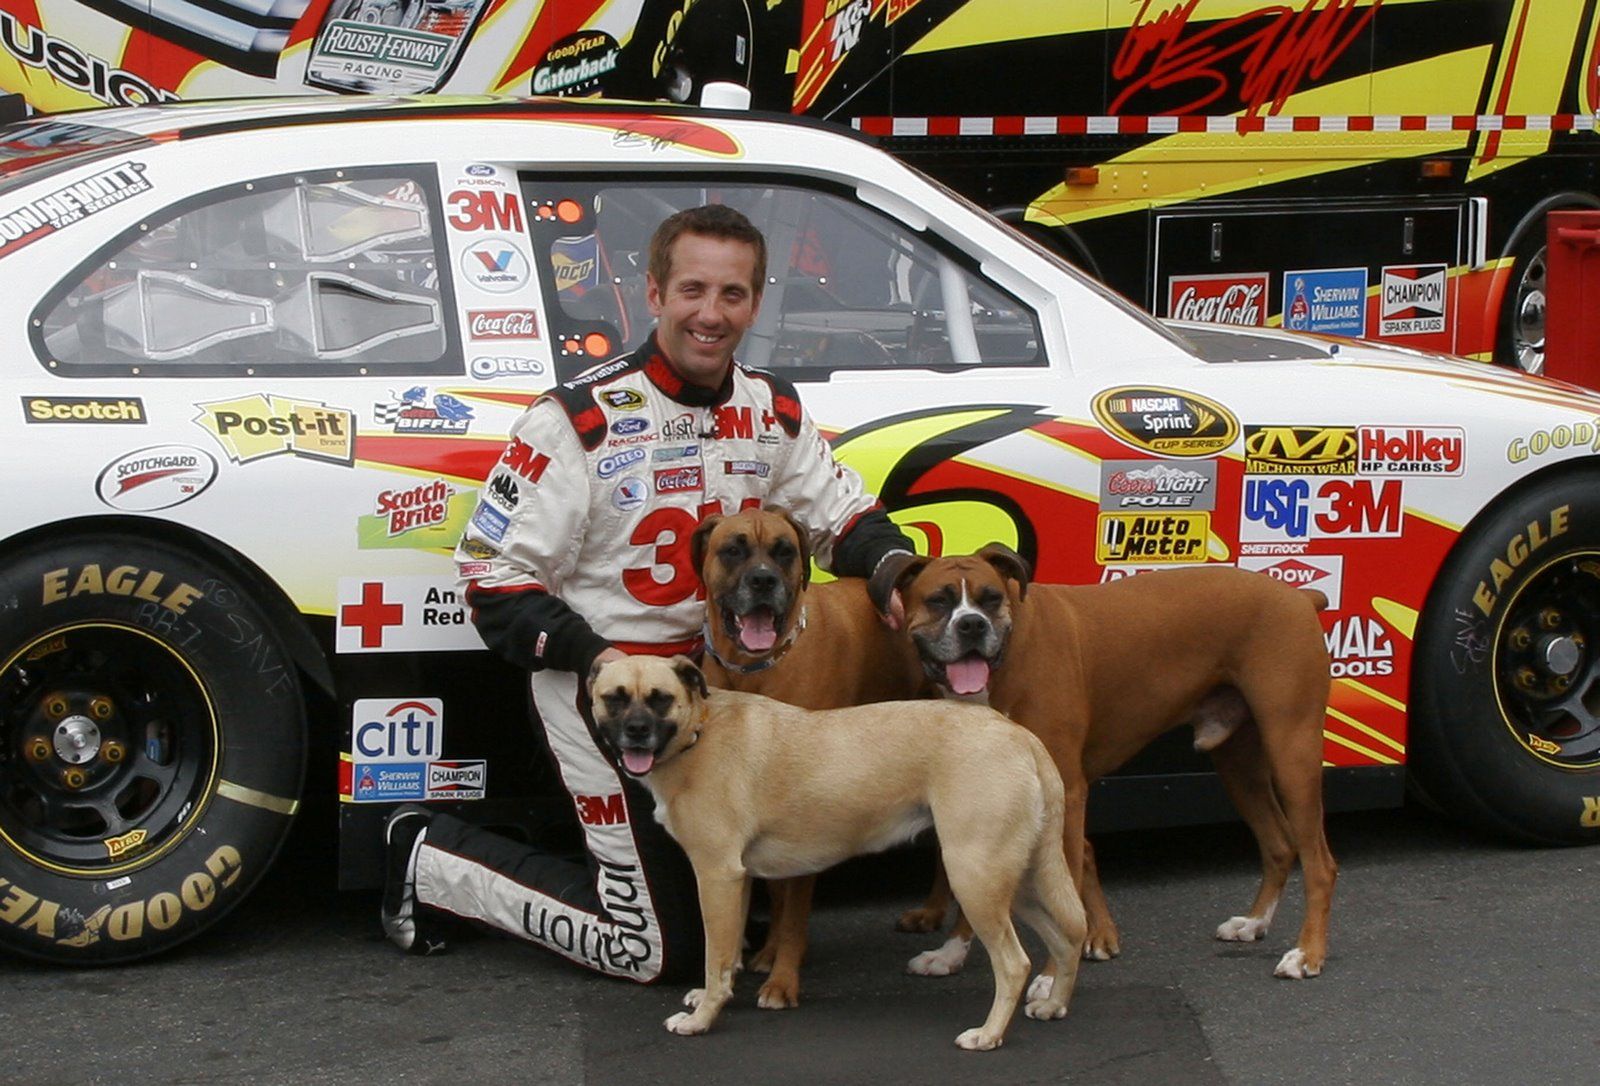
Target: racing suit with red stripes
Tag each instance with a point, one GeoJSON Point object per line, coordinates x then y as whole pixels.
{"type": "Point", "coordinates": [580, 542]}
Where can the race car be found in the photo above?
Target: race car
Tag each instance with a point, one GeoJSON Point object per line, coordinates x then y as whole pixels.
{"type": "Point", "coordinates": [265, 353]}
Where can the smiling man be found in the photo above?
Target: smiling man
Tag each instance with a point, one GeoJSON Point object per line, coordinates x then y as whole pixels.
{"type": "Point", "coordinates": [579, 552]}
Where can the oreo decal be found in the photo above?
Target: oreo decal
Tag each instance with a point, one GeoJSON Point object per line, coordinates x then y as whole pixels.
{"type": "Point", "coordinates": [1166, 420]}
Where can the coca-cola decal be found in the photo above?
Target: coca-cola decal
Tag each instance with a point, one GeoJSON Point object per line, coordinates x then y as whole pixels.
{"type": "Point", "coordinates": [1238, 298]}
{"type": "Point", "coordinates": [502, 324]}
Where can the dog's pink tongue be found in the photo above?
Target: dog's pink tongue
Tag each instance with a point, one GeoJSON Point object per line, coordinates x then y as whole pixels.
{"type": "Point", "coordinates": [968, 676]}
{"type": "Point", "coordinates": [638, 762]}
{"type": "Point", "coordinates": [756, 631]}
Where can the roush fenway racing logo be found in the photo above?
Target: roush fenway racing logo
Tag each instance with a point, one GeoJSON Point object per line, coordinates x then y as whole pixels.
{"type": "Point", "coordinates": [502, 324]}
{"type": "Point", "coordinates": [1218, 299]}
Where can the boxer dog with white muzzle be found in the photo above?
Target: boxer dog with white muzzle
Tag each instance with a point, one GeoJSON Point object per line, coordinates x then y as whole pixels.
{"type": "Point", "coordinates": [1098, 671]}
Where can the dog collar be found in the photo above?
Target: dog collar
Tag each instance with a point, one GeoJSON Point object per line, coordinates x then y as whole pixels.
{"type": "Point", "coordinates": [759, 665]}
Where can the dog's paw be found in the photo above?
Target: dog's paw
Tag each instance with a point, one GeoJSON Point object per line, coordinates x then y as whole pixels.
{"type": "Point", "coordinates": [1041, 987]}
{"type": "Point", "coordinates": [1044, 1009]}
{"type": "Point", "coordinates": [779, 994]}
{"type": "Point", "coordinates": [942, 962]}
{"type": "Point", "coordinates": [921, 920]}
{"type": "Point", "coordinates": [694, 997]}
{"type": "Point", "coordinates": [976, 1040]}
{"type": "Point", "coordinates": [1295, 965]}
{"type": "Point", "coordinates": [1243, 929]}
{"type": "Point", "coordinates": [761, 961]}
{"type": "Point", "coordinates": [1103, 943]}
{"type": "Point", "coordinates": [685, 1024]}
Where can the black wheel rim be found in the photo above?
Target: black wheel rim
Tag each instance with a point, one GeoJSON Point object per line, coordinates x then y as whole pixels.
{"type": "Point", "coordinates": [108, 749]}
{"type": "Point", "coordinates": [1528, 314]}
{"type": "Point", "coordinates": [1546, 663]}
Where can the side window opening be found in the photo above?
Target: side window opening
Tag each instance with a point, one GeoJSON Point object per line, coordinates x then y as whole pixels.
{"type": "Point", "coordinates": [333, 273]}
{"type": "Point", "coordinates": [848, 288]}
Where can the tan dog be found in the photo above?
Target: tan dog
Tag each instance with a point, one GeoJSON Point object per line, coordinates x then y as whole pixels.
{"type": "Point", "coordinates": [770, 631]}
{"type": "Point", "coordinates": [752, 787]}
{"type": "Point", "coordinates": [1099, 671]}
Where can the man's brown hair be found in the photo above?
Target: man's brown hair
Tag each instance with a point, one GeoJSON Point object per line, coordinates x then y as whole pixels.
{"type": "Point", "coordinates": [712, 221]}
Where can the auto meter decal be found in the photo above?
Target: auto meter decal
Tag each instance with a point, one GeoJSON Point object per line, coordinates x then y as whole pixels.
{"type": "Point", "coordinates": [158, 477]}
{"type": "Point", "coordinates": [1165, 420]}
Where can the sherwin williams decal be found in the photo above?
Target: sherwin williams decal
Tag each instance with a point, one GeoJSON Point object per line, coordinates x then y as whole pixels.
{"type": "Point", "coordinates": [1166, 421]}
{"type": "Point", "coordinates": [1332, 301]}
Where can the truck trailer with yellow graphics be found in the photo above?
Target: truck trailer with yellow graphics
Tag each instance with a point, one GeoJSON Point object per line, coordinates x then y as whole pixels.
{"type": "Point", "coordinates": [1363, 168]}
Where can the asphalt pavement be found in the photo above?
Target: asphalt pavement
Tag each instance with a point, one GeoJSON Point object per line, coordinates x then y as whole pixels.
{"type": "Point", "coordinates": [1454, 960]}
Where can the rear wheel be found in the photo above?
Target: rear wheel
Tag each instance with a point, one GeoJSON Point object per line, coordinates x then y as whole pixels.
{"type": "Point", "coordinates": [152, 742]}
{"type": "Point", "coordinates": [1505, 722]}
{"type": "Point", "coordinates": [1522, 317]}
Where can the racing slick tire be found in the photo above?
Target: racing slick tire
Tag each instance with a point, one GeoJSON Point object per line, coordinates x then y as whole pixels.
{"type": "Point", "coordinates": [152, 747]}
{"type": "Point", "coordinates": [1505, 707]}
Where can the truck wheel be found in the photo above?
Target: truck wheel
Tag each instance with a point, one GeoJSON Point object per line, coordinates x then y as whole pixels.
{"type": "Point", "coordinates": [1520, 342]}
{"type": "Point", "coordinates": [1505, 715]}
{"type": "Point", "coordinates": [152, 739]}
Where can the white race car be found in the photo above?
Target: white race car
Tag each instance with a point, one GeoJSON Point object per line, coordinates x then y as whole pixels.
{"type": "Point", "coordinates": [266, 352]}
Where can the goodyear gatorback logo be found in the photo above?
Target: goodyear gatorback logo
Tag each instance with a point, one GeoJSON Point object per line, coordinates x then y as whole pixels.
{"type": "Point", "coordinates": [1166, 420]}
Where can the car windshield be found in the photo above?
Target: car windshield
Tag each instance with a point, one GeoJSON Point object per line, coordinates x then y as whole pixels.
{"type": "Point", "coordinates": [34, 149]}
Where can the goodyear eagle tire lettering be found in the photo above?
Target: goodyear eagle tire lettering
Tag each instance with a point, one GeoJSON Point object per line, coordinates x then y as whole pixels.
{"type": "Point", "coordinates": [1505, 720]}
{"type": "Point", "coordinates": [152, 748]}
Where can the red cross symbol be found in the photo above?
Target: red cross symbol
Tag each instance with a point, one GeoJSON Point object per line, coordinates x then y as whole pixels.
{"type": "Point", "coordinates": [372, 615]}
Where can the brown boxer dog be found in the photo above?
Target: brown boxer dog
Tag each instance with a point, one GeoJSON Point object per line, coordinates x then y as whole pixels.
{"type": "Point", "coordinates": [750, 786]}
{"type": "Point", "coordinates": [770, 631]}
{"type": "Point", "coordinates": [1098, 671]}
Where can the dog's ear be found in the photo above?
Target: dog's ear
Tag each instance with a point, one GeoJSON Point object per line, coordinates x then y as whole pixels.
{"type": "Point", "coordinates": [699, 541]}
{"type": "Point", "coordinates": [803, 538]}
{"type": "Point", "coordinates": [1010, 565]}
{"type": "Point", "coordinates": [594, 673]}
{"type": "Point", "coordinates": [895, 571]}
{"type": "Point", "coordinates": [689, 675]}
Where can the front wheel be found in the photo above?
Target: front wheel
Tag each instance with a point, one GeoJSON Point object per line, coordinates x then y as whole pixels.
{"type": "Point", "coordinates": [152, 740]}
{"type": "Point", "coordinates": [1505, 720]}
{"type": "Point", "coordinates": [1522, 316]}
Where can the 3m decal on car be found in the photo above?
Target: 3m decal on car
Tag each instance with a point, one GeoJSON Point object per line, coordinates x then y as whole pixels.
{"type": "Point", "coordinates": [1166, 421]}
{"type": "Point", "coordinates": [1300, 508]}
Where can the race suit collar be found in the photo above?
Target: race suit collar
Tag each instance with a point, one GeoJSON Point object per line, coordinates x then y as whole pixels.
{"type": "Point", "coordinates": [665, 378]}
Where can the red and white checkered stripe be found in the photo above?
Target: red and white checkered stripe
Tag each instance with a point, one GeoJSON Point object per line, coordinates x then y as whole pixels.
{"type": "Point", "coordinates": [1114, 126]}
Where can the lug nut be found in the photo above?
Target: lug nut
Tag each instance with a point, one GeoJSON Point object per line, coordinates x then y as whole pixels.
{"type": "Point", "coordinates": [1521, 638]}
{"type": "Point", "coordinates": [56, 707]}
{"type": "Point", "coordinates": [1563, 681]}
{"type": "Point", "coordinates": [74, 778]}
{"type": "Point", "coordinates": [1527, 678]}
{"type": "Point", "coordinates": [113, 751]}
{"type": "Point", "coordinates": [39, 750]}
{"type": "Point", "coordinates": [1550, 618]}
{"type": "Point", "coordinates": [100, 708]}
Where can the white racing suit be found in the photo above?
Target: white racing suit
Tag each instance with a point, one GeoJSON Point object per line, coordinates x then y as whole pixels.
{"type": "Point", "coordinates": [581, 541]}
